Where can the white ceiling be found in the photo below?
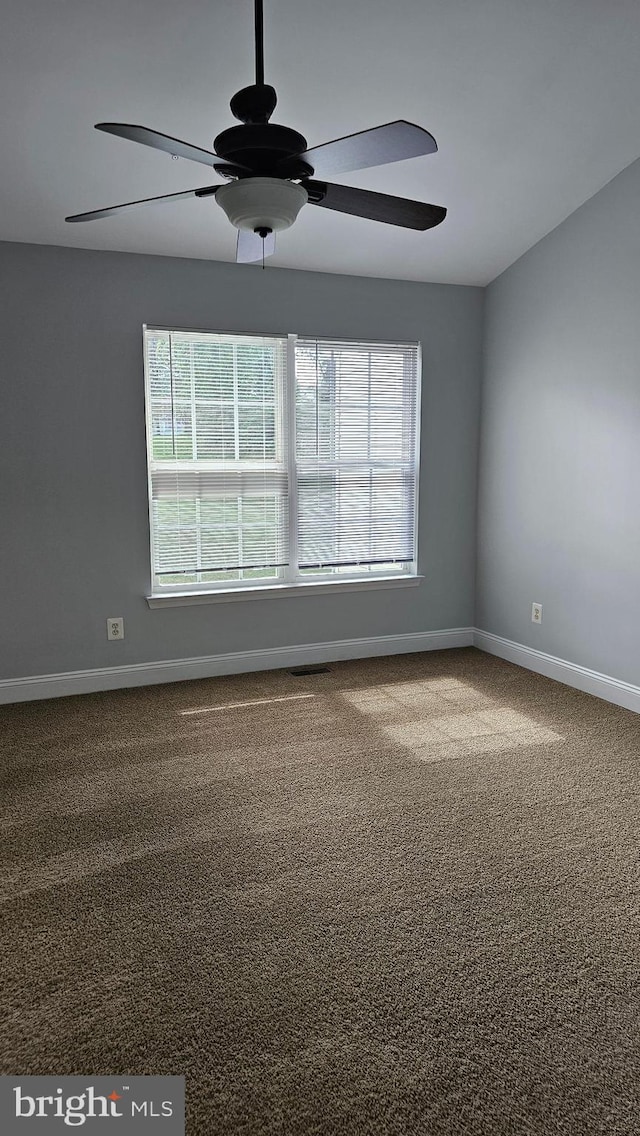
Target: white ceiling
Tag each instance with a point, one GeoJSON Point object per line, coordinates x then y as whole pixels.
{"type": "Point", "coordinates": [535, 105]}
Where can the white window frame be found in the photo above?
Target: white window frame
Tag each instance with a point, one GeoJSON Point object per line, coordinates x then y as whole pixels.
{"type": "Point", "coordinates": [287, 582]}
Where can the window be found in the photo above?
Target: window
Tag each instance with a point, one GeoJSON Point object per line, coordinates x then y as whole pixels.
{"type": "Point", "coordinates": [279, 460]}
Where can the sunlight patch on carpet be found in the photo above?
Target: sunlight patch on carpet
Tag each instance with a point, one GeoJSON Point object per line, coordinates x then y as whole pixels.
{"type": "Point", "coordinates": [241, 705]}
{"type": "Point", "coordinates": [453, 720]}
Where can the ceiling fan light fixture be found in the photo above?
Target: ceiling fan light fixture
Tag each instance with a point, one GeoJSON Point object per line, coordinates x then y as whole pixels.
{"type": "Point", "coordinates": [262, 203]}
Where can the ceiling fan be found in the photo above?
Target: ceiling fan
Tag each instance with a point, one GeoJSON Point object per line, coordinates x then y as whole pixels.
{"type": "Point", "coordinates": [270, 174]}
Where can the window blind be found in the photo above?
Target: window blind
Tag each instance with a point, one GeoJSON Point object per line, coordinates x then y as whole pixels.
{"type": "Point", "coordinates": [217, 446]}
{"type": "Point", "coordinates": [276, 459]}
{"type": "Point", "coordinates": [356, 454]}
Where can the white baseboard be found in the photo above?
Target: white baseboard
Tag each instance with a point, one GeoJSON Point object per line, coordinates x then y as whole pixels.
{"type": "Point", "coordinates": [208, 666]}
{"type": "Point", "coordinates": [592, 682]}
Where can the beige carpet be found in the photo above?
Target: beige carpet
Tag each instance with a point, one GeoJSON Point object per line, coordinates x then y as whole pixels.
{"type": "Point", "coordinates": [398, 898]}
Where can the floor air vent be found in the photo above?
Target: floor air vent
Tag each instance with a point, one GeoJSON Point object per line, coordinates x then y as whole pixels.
{"type": "Point", "coordinates": [300, 671]}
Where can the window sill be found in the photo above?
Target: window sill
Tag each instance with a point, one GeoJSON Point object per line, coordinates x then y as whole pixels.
{"type": "Point", "coordinates": [281, 591]}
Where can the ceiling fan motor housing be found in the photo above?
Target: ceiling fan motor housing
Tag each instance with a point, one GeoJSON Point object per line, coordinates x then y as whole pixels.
{"type": "Point", "coordinates": [266, 149]}
{"type": "Point", "coordinates": [262, 203]}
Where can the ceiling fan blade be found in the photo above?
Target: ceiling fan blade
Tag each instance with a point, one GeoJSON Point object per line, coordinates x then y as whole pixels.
{"type": "Point", "coordinates": [111, 210]}
{"type": "Point", "coordinates": [377, 147]}
{"type": "Point", "coordinates": [376, 206]}
{"type": "Point", "coordinates": [164, 142]}
{"type": "Point", "coordinates": [251, 247]}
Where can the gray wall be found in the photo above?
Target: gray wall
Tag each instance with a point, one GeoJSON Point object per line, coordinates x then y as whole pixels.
{"type": "Point", "coordinates": [72, 460]}
{"type": "Point", "coordinates": [559, 485]}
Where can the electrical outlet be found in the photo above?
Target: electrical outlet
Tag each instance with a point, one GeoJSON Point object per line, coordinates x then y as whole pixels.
{"type": "Point", "coordinates": [115, 627]}
{"type": "Point", "coordinates": [536, 613]}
